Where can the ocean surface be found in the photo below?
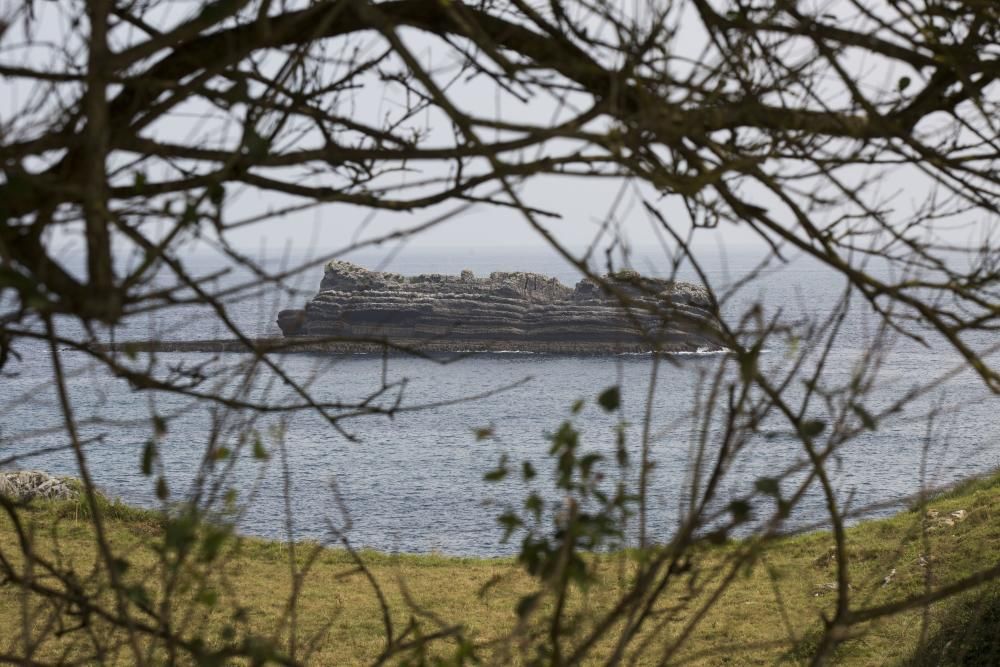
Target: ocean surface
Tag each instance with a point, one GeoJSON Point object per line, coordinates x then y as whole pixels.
{"type": "Point", "coordinates": [414, 482]}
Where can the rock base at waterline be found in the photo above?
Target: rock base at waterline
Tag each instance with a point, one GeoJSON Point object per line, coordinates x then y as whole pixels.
{"type": "Point", "coordinates": [329, 345]}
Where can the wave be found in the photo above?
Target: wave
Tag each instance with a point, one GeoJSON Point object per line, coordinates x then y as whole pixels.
{"type": "Point", "coordinates": [700, 352]}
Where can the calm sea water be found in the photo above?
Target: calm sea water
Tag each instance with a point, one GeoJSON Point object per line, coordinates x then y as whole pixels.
{"type": "Point", "coordinates": [414, 482]}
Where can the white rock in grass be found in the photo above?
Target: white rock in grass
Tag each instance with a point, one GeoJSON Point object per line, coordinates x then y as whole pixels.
{"type": "Point", "coordinates": [22, 485]}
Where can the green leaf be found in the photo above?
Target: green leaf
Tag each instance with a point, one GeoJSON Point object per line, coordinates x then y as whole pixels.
{"type": "Point", "coordinates": [903, 83]}
{"type": "Point", "coordinates": [748, 363]}
{"type": "Point", "coordinates": [793, 346]}
{"type": "Point", "coordinates": [784, 508]}
{"type": "Point", "coordinates": [527, 604]}
{"type": "Point", "coordinates": [259, 451]}
{"type": "Point", "coordinates": [190, 214]}
{"type": "Point", "coordinates": [534, 504]}
{"type": "Point", "coordinates": [610, 399]}
{"type": "Point", "coordinates": [137, 594]}
{"type": "Point", "coordinates": [510, 523]}
{"type": "Point", "coordinates": [162, 492]}
{"type": "Point", "coordinates": [499, 472]}
{"type": "Point", "coordinates": [465, 653]}
{"type": "Point", "coordinates": [768, 485]}
{"type": "Point", "coordinates": [566, 438]}
{"type": "Point", "coordinates": [718, 537]}
{"type": "Point", "coordinates": [587, 462]}
{"type": "Point", "coordinates": [577, 406]}
{"type": "Point", "coordinates": [527, 470]}
{"type": "Point", "coordinates": [740, 509]}
{"type": "Point", "coordinates": [180, 533]}
{"type": "Point", "coordinates": [212, 543]}
{"type": "Point", "coordinates": [866, 417]}
{"type": "Point", "coordinates": [812, 428]}
{"type": "Point", "coordinates": [576, 570]}
{"type": "Point", "coordinates": [216, 193]}
{"type": "Point", "coordinates": [256, 146]}
{"type": "Point", "coordinates": [208, 597]}
{"type": "Point", "coordinates": [621, 451]}
{"type": "Point", "coordinates": [148, 454]}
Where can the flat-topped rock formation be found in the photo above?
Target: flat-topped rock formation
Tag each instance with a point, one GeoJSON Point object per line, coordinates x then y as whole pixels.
{"type": "Point", "coordinates": [506, 311]}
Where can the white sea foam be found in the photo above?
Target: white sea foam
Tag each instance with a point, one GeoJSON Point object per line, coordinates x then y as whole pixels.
{"type": "Point", "coordinates": [496, 352]}
{"type": "Point", "coordinates": [700, 352]}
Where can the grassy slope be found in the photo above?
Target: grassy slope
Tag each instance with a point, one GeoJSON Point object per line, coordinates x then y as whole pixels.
{"type": "Point", "coordinates": [770, 613]}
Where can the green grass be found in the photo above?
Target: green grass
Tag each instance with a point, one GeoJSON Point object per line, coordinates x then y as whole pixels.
{"type": "Point", "coordinates": [770, 614]}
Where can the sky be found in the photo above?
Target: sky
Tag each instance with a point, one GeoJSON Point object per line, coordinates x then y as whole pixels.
{"type": "Point", "coordinates": [582, 205]}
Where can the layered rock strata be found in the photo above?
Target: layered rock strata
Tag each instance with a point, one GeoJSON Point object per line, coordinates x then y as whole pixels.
{"type": "Point", "coordinates": [507, 310]}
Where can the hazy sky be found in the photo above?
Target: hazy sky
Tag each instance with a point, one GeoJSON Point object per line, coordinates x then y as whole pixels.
{"type": "Point", "coordinates": [583, 204]}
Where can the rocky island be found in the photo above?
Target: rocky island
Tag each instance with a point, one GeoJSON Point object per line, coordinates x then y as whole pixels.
{"type": "Point", "coordinates": [505, 311]}
{"type": "Point", "coordinates": [362, 311]}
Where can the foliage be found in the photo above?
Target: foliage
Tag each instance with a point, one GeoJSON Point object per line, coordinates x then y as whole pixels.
{"type": "Point", "coordinates": [786, 590]}
{"type": "Point", "coordinates": [135, 128]}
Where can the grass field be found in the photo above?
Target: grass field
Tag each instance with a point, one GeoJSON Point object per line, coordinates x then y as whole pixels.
{"type": "Point", "coordinates": [227, 588]}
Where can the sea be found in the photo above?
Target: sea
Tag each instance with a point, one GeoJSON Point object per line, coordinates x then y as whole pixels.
{"type": "Point", "coordinates": [404, 472]}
